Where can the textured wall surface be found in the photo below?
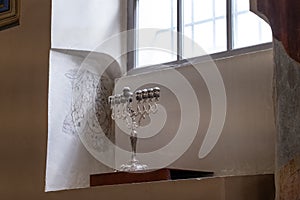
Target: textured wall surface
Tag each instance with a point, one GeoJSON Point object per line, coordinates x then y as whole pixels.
{"type": "Point", "coordinates": [287, 90]}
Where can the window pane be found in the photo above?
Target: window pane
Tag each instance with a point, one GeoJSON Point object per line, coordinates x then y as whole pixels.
{"type": "Point", "coordinates": [188, 11]}
{"type": "Point", "coordinates": [241, 5]}
{"type": "Point", "coordinates": [207, 27]}
{"type": "Point", "coordinates": [156, 46]}
{"type": "Point", "coordinates": [220, 36]}
{"type": "Point", "coordinates": [248, 28]}
{"type": "Point", "coordinates": [220, 8]}
{"type": "Point", "coordinates": [204, 35]}
{"type": "Point", "coordinates": [203, 9]}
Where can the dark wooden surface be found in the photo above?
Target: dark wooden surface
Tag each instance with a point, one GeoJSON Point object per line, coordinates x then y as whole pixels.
{"type": "Point", "coordinates": [115, 178]}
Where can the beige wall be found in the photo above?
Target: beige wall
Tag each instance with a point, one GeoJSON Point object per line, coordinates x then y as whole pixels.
{"type": "Point", "coordinates": [24, 58]}
{"type": "Point", "coordinates": [24, 61]}
{"type": "Point", "coordinates": [24, 64]}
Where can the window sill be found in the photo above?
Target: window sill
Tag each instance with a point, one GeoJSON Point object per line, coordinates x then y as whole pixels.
{"type": "Point", "coordinates": [200, 59]}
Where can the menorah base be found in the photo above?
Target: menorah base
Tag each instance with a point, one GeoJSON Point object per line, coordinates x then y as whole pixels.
{"type": "Point", "coordinates": [133, 166]}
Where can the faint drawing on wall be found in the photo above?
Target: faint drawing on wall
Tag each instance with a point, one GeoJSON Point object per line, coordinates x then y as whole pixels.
{"type": "Point", "coordinates": [78, 96]}
{"type": "Point", "coordinates": [9, 13]}
{"type": "Point", "coordinates": [89, 110]}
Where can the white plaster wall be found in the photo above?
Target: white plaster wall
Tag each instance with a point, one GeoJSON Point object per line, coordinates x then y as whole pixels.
{"type": "Point", "coordinates": [69, 164]}
{"type": "Point", "coordinates": [86, 24]}
{"type": "Point", "coordinates": [78, 27]}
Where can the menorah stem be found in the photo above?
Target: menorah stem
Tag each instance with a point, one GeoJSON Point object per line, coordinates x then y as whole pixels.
{"type": "Point", "coordinates": [133, 142]}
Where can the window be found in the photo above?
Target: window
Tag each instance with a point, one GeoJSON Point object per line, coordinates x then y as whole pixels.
{"type": "Point", "coordinates": [214, 25]}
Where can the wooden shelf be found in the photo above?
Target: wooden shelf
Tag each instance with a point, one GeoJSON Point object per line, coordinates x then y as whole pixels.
{"type": "Point", "coordinates": [115, 178]}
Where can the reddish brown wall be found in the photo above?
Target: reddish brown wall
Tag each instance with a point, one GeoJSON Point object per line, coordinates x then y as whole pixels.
{"type": "Point", "coordinates": [284, 18]}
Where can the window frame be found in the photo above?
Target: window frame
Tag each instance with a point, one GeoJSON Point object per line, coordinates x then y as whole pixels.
{"type": "Point", "coordinates": [132, 15]}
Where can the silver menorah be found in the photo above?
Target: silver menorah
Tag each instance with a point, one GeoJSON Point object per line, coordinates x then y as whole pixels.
{"type": "Point", "coordinates": [122, 108]}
